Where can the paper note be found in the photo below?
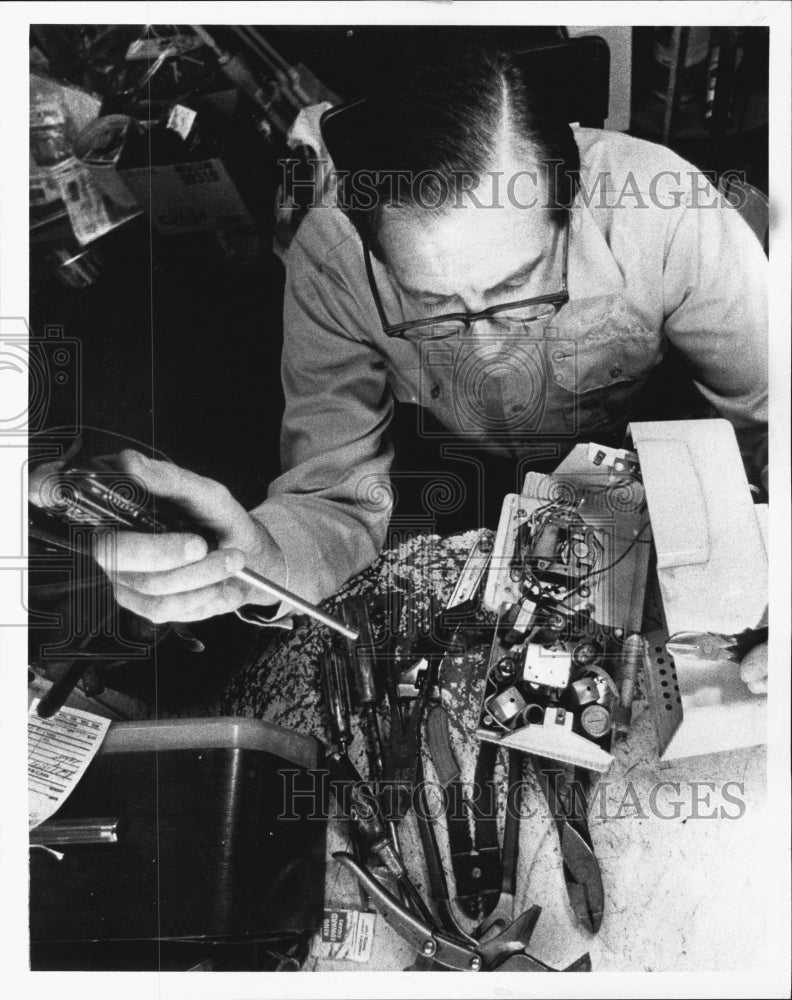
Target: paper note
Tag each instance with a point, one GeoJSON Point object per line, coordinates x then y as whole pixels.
{"type": "Point", "coordinates": [181, 120]}
{"type": "Point", "coordinates": [93, 211]}
{"type": "Point", "coordinates": [345, 934]}
{"type": "Point", "coordinates": [59, 751]}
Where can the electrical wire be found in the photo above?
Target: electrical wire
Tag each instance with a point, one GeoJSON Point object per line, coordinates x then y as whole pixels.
{"type": "Point", "coordinates": [604, 569]}
{"type": "Point", "coordinates": [627, 551]}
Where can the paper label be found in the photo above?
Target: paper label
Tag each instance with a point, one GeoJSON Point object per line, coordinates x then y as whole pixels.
{"type": "Point", "coordinates": [43, 189]}
{"type": "Point", "coordinates": [168, 45]}
{"type": "Point", "coordinates": [347, 935]}
{"type": "Point", "coordinates": [59, 751]}
{"type": "Point", "coordinates": [92, 212]}
{"type": "Point", "coordinates": [181, 120]}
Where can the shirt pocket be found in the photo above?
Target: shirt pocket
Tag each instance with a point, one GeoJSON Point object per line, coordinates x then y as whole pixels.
{"type": "Point", "coordinates": [403, 368]}
{"type": "Point", "coordinates": [600, 354]}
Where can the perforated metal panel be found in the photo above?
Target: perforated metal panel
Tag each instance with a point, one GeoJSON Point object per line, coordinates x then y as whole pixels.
{"type": "Point", "coordinates": [665, 701]}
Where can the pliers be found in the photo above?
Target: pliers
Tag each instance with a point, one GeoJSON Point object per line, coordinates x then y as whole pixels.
{"type": "Point", "coordinates": [568, 804]}
{"type": "Point", "coordinates": [713, 646]}
{"type": "Point", "coordinates": [503, 913]}
{"type": "Point", "coordinates": [504, 952]}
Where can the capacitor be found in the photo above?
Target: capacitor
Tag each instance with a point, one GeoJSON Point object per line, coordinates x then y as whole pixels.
{"type": "Point", "coordinates": [532, 715]}
{"type": "Point", "coordinates": [585, 653]}
{"type": "Point", "coordinates": [505, 669]}
{"type": "Point", "coordinates": [580, 547]}
{"type": "Point", "coordinates": [555, 621]}
{"type": "Point", "coordinates": [521, 624]}
{"type": "Point", "coordinates": [505, 707]}
{"type": "Point", "coordinates": [595, 720]}
{"type": "Point", "coordinates": [632, 654]}
{"type": "Point", "coordinates": [585, 691]}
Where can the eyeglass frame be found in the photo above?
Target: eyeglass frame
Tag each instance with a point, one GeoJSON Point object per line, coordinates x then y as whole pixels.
{"type": "Point", "coordinates": [397, 330]}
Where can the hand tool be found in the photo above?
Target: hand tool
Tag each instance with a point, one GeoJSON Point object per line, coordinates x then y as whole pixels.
{"type": "Point", "coordinates": [715, 646]}
{"type": "Point", "coordinates": [469, 582]}
{"type": "Point", "coordinates": [364, 689]}
{"type": "Point", "coordinates": [362, 804]}
{"type": "Point", "coordinates": [447, 950]}
{"type": "Point", "coordinates": [447, 770]}
{"type": "Point", "coordinates": [475, 856]}
{"type": "Point", "coordinates": [97, 494]}
{"type": "Point", "coordinates": [439, 745]}
{"type": "Point", "coordinates": [333, 678]}
{"type": "Point", "coordinates": [426, 818]}
{"type": "Point", "coordinates": [503, 913]}
{"type": "Point", "coordinates": [566, 796]}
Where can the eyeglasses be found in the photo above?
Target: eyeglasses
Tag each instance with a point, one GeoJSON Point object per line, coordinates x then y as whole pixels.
{"type": "Point", "coordinates": [511, 317]}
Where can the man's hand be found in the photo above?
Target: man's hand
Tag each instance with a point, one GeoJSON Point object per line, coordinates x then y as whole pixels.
{"type": "Point", "coordinates": [174, 576]}
{"type": "Point", "coordinates": [753, 669]}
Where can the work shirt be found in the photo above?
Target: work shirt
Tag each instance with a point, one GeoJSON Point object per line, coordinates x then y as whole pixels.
{"type": "Point", "coordinates": [654, 259]}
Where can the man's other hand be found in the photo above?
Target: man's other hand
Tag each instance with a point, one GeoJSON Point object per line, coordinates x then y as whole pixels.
{"type": "Point", "coordinates": [753, 669]}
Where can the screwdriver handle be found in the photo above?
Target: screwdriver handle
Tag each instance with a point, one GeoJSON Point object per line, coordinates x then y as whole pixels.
{"type": "Point", "coordinates": [361, 650]}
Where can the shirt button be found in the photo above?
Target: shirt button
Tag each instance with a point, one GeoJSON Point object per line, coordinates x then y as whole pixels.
{"type": "Point", "coordinates": [435, 391]}
{"type": "Point", "coordinates": [559, 356]}
{"type": "Point", "coordinates": [615, 372]}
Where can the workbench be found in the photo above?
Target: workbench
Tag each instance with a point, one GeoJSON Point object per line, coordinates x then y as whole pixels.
{"type": "Point", "coordinates": [685, 885]}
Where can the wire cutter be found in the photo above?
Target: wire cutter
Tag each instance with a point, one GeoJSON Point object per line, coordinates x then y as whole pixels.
{"type": "Point", "coordinates": [715, 646]}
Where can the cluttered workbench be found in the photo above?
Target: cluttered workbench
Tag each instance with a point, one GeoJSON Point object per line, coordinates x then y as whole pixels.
{"type": "Point", "coordinates": [525, 750]}
{"type": "Point", "coordinates": [656, 873]}
{"type": "Point", "coordinates": [664, 867]}
{"type": "Point", "coordinates": [530, 749]}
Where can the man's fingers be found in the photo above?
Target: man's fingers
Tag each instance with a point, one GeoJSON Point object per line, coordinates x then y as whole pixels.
{"type": "Point", "coordinates": [217, 566]}
{"type": "Point", "coordinates": [753, 669]}
{"type": "Point", "coordinates": [204, 498]}
{"type": "Point", "coordinates": [139, 552]}
{"type": "Point", "coordinates": [193, 606]}
{"type": "Point", "coordinates": [41, 481]}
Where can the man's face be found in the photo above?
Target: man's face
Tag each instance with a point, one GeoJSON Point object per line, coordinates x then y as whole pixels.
{"type": "Point", "coordinates": [473, 256]}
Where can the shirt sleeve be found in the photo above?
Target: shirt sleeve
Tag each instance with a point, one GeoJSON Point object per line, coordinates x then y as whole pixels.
{"type": "Point", "coordinates": [715, 306]}
{"type": "Point", "coordinates": [328, 512]}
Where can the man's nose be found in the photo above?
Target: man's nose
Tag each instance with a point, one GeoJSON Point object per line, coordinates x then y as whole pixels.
{"type": "Point", "coordinates": [486, 335]}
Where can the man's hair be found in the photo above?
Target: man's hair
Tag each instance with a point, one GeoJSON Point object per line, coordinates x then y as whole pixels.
{"type": "Point", "coordinates": [427, 136]}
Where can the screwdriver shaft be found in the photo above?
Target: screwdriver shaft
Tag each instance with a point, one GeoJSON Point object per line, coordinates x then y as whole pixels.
{"type": "Point", "coordinates": [271, 588]}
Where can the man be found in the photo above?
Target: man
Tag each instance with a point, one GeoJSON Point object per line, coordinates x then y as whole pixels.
{"type": "Point", "coordinates": [517, 280]}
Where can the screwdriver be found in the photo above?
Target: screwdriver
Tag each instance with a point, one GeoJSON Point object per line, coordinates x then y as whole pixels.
{"type": "Point", "coordinates": [95, 494]}
{"type": "Point", "coordinates": [271, 588]}
{"type": "Point", "coordinates": [356, 617]}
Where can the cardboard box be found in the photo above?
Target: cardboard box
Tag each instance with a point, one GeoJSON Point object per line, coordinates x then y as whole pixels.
{"type": "Point", "coordinates": [188, 198]}
{"type": "Point", "coordinates": [712, 573]}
